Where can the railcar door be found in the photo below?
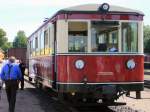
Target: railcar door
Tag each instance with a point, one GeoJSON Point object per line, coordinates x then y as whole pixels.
{"type": "Point", "coordinates": [54, 58]}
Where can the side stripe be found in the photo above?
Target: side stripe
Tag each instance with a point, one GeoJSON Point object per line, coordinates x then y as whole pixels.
{"type": "Point", "coordinates": [103, 83]}
{"type": "Point", "coordinates": [101, 54]}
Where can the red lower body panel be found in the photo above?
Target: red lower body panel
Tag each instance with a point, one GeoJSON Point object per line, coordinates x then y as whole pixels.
{"type": "Point", "coordinates": [99, 68]}
{"type": "Point", "coordinates": [42, 67]}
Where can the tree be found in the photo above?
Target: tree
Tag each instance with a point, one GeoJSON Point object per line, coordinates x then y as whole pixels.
{"type": "Point", "coordinates": [7, 46]}
{"type": "Point", "coordinates": [20, 40]}
{"type": "Point", "coordinates": [4, 44]}
{"type": "Point", "coordinates": [147, 39]}
{"type": "Point", "coordinates": [3, 38]}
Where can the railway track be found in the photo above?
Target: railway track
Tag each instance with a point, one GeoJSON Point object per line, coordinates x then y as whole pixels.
{"type": "Point", "coordinates": [86, 107]}
{"type": "Point", "coordinates": [102, 108]}
{"type": "Point", "coordinates": [147, 80]}
{"type": "Point", "coordinates": [147, 83]}
{"type": "Point", "coordinates": [83, 107]}
{"type": "Point", "coordinates": [99, 107]}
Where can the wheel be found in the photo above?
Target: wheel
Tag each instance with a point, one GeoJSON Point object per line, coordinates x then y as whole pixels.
{"type": "Point", "coordinates": [30, 79]}
{"type": "Point", "coordinates": [62, 97]}
{"type": "Point", "coordinates": [38, 84]}
{"type": "Point", "coordinates": [105, 100]}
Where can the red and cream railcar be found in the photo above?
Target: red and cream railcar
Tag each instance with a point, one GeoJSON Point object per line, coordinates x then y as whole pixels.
{"type": "Point", "coordinates": [92, 51]}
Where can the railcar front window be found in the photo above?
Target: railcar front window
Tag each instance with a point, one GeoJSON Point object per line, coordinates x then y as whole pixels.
{"type": "Point", "coordinates": [77, 41]}
{"type": "Point", "coordinates": [129, 37]}
{"type": "Point", "coordinates": [104, 36]}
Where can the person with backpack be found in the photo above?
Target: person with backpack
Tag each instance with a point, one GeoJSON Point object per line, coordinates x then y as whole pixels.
{"type": "Point", "coordinates": [1, 83]}
{"type": "Point", "coordinates": [22, 68]}
{"type": "Point", "coordinates": [11, 74]}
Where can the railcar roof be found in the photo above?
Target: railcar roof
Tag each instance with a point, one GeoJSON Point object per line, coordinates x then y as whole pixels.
{"type": "Point", "coordinates": [94, 8]}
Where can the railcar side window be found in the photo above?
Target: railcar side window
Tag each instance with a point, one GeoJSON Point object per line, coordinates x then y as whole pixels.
{"type": "Point", "coordinates": [77, 36]}
{"type": "Point", "coordinates": [30, 47]}
{"type": "Point", "coordinates": [104, 36]}
{"type": "Point", "coordinates": [33, 47]}
{"type": "Point", "coordinates": [39, 43]}
{"type": "Point", "coordinates": [42, 42]}
{"type": "Point", "coordinates": [46, 38]}
{"type": "Point", "coordinates": [46, 42]}
{"type": "Point", "coordinates": [129, 37]}
{"type": "Point", "coordinates": [49, 37]}
{"type": "Point", "coordinates": [36, 43]}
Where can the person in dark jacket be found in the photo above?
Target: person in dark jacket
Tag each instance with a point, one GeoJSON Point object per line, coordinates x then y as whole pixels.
{"type": "Point", "coordinates": [22, 68]}
{"type": "Point", "coordinates": [11, 74]}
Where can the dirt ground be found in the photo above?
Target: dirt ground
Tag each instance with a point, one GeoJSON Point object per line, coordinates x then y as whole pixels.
{"type": "Point", "coordinates": [142, 104]}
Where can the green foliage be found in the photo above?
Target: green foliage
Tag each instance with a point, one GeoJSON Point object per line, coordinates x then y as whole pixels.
{"type": "Point", "coordinates": [147, 39]}
{"type": "Point", "coordinates": [20, 40]}
{"type": "Point", "coordinates": [3, 38]}
{"type": "Point", "coordinates": [4, 45]}
{"type": "Point", "coordinates": [7, 46]}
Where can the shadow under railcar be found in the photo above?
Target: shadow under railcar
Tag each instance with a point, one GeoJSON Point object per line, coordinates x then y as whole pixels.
{"type": "Point", "coordinates": [147, 61]}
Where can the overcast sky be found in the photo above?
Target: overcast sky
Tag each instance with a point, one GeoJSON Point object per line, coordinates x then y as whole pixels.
{"type": "Point", "coordinates": [28, 15]}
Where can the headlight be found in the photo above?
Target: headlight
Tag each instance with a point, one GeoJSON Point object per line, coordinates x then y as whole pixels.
{"type": "Point", "coordinates": [104, 7]}
{"type": "Point", "coordinates": [79, 64]}
{"type": "Point", "coordinates": [131, 64]}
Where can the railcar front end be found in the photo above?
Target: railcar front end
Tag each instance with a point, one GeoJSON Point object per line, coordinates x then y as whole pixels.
{"type": "Point", "coordinates": [95, 52]}
{"type": "Point", "coordinates": [101, 76]}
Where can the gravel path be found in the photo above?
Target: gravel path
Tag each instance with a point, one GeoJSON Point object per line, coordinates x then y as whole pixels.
{"type": "Point", "coordinates": [35, 100]}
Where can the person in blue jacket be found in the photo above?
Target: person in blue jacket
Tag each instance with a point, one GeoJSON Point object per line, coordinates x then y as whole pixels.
{"type": "Point", "coordinates": [11, 74]}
